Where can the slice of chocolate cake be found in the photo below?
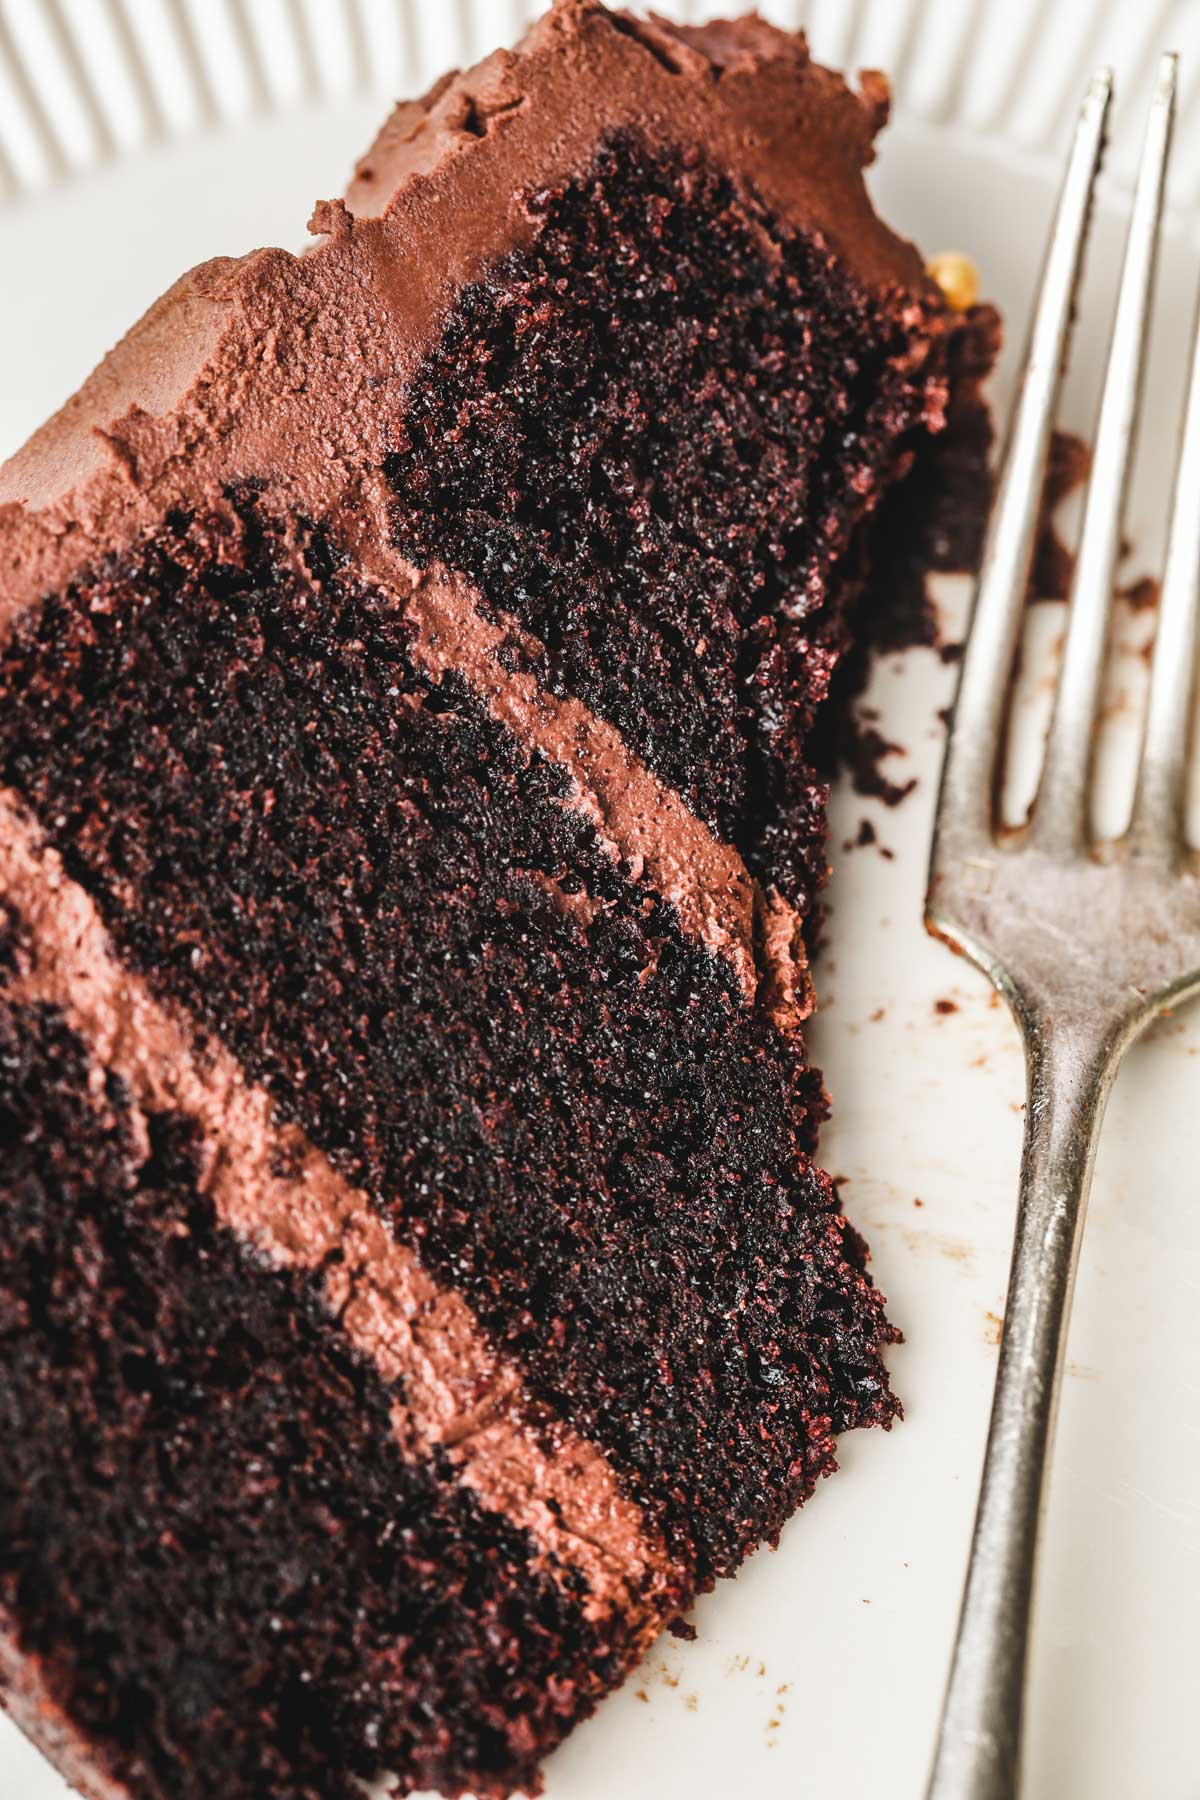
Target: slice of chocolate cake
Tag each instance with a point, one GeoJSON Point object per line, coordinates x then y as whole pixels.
{"type": "Point", "coordinates": [415, 1283]}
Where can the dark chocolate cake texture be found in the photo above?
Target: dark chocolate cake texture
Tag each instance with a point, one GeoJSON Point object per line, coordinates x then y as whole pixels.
{"type": "Point", "coordinates": [416, 1285]}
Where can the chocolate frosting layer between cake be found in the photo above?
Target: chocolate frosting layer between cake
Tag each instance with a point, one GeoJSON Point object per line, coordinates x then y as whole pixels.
{"type": "Point", "coordinates": [642, 822]}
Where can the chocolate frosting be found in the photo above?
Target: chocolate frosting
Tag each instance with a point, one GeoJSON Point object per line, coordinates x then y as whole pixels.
{"type": "Point", "coordinates": [284, 1199]}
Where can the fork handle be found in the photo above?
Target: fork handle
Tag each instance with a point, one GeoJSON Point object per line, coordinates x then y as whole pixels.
{"type": "Point", "coordinates": [1069, 1075]}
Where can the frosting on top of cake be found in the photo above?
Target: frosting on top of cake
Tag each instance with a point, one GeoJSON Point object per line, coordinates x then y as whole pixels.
{"type": "Point", "coordinates": [286, 368]}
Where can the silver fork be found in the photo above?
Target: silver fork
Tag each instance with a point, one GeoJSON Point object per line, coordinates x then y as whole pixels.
{"type": "Point", "coordinates": [1087, 942]}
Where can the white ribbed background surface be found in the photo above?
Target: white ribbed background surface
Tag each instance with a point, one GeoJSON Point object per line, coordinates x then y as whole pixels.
{"type": "Point", "coordinates": [83, 80]}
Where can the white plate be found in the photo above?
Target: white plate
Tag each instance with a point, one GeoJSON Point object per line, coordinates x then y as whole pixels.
{"type": "Point", "coordinates": [819, 1672]}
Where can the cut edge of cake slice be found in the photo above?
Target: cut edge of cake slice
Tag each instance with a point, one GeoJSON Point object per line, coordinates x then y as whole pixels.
{"type": "Point", "coordinates": [409, 653]}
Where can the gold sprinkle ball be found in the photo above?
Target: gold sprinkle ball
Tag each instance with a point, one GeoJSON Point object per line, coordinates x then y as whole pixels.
{"type": "Point", "coordinates": [957, 277]}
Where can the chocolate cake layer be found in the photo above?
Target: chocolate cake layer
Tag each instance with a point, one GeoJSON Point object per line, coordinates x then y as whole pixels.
{"type": "Point", "coordinates": [230, 1575]}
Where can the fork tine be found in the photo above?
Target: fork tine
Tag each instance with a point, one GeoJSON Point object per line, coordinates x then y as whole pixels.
{"type": "Point", "coordinates": [1158, 809]}
{"type": "Point", "coordinates": [1060, 819]}
{"type": "Point", "coordinates": [965, 803]}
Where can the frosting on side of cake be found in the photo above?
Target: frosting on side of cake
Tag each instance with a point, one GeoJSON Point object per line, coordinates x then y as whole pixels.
{"type": "Point", "coordinates": [31, 1704]}
{"type": "Point", "coordinates": [280, 1195]}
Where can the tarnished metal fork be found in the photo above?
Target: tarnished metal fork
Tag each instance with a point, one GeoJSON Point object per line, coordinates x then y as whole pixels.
{"type": "Point", "coordinates": [1087, 942]}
